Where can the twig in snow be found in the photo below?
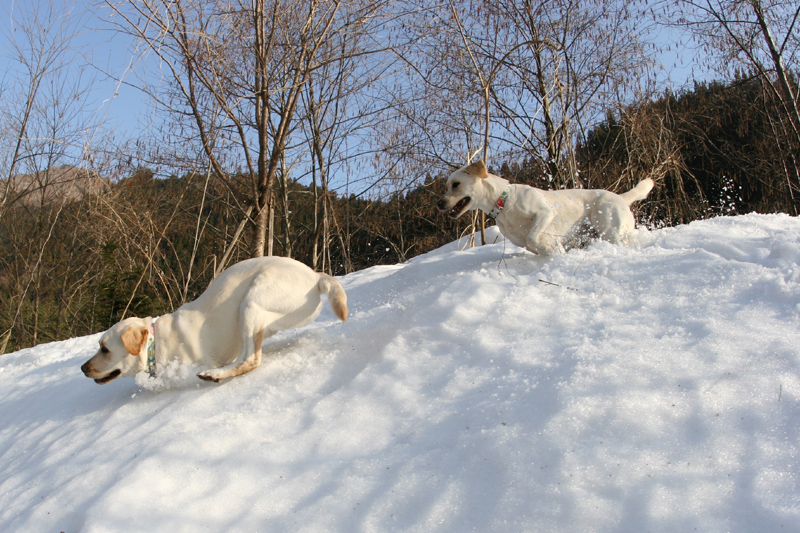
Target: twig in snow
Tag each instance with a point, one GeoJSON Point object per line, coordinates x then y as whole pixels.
{"type": "Point", "coordinates": [557, 285]}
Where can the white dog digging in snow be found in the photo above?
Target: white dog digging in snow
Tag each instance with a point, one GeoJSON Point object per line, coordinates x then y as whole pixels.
{"type": "Point", "coordinates": [224, 327]}
{"type": "Point", "coordinates": [544, 222]}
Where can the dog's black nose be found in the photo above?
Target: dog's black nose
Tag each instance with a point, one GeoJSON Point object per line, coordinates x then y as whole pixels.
{"type": "Point", "coordinates": [86, 368]}
{"type": "Point", "coordinates": [440, 204]}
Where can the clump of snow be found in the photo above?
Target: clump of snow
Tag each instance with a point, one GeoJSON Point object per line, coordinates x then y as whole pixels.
{"type": "Point", "coordinates": [174, 374]}
{"type": "Point", "coordinates": [650, 388]}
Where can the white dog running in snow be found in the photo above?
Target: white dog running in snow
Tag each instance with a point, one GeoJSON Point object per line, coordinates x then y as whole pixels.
{"type": "Point", "coordinates": [544, 222]}
{"type": "Point", "coordinates": [224, 327]}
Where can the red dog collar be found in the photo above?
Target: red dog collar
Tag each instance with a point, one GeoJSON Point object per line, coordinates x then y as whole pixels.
{"type": "Point", "coordinates": [501, 203]}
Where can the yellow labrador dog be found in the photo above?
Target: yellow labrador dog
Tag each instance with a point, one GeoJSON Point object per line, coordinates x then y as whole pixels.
{"type": "Point", "coordinates": [544, 222]}
{"type": "Point", "coordinates": [224, 327]}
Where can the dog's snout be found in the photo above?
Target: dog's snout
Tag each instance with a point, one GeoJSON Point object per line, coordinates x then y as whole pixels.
{"type": "Point", "coordinates": [86, 368]}
{"type": "Point", "coordinates": [440, 204]}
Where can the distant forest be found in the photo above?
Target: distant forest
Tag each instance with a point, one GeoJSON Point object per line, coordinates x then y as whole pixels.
{"type": "Point", "coordinates": [143, 245]}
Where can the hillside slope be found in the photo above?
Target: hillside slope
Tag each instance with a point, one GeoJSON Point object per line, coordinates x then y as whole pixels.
{"type": "Point", "coordinates": [652, 388]}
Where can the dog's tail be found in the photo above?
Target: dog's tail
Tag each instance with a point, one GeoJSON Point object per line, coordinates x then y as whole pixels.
{"type": "Point", "coordinates": [336, 296]}
{"type": "Point", "coordinates": [639, 192]}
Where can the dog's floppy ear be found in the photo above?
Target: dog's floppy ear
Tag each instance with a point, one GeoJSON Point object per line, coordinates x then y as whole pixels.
{"type": "Point", "coordinates": [133, 339]}
{"type": "Point", "coordinates": [477, 169]}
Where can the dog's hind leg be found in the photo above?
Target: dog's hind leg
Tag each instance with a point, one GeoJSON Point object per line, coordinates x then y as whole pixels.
{"type": "Point", "coordinates": [614, 223]}
{"type": "Point", "coordinates": [249, 359]}
{"type": "Point", "coordinates": [254, 320]}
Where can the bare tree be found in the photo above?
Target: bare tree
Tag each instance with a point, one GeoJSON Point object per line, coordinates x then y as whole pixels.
{"type": "Point", "coordinates": [341, 109]}
{"type": "Point", "coordinates": [760, 38]}
{"type": "Point", "coordinates": [236, 72]}
{"type": "Point", "coordinates": [753, 35]}
{"type": "Point", "coordinates": [573, 61]}
{"type": "Point", "coordinates": [526, 78]}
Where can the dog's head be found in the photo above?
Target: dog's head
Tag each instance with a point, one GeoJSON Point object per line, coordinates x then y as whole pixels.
{"type": "Point", "coordinates": [122, 352]}
{"type": "Point", "coordinates": [463, 188]}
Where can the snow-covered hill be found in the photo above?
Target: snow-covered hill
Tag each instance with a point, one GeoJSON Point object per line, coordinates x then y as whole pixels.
{"type": "Point", "coordinates": [652, 388]}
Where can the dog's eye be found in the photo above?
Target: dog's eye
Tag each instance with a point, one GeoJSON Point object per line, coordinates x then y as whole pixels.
{"type": "Point", "coordinates": [456, 184]}
{"type": "Point", "coordinates": [103, 349]}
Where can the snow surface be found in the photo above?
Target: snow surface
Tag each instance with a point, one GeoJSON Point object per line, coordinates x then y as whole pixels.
{"type": "Point", "coordinates": [651, 388]}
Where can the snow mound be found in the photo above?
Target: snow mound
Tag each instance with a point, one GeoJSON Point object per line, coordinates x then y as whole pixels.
{"type": "Point", "coordinates": [651, 388]}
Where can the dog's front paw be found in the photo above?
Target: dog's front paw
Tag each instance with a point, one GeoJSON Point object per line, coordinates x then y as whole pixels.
{"type": "Point", "coordinates": [209, 375]}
